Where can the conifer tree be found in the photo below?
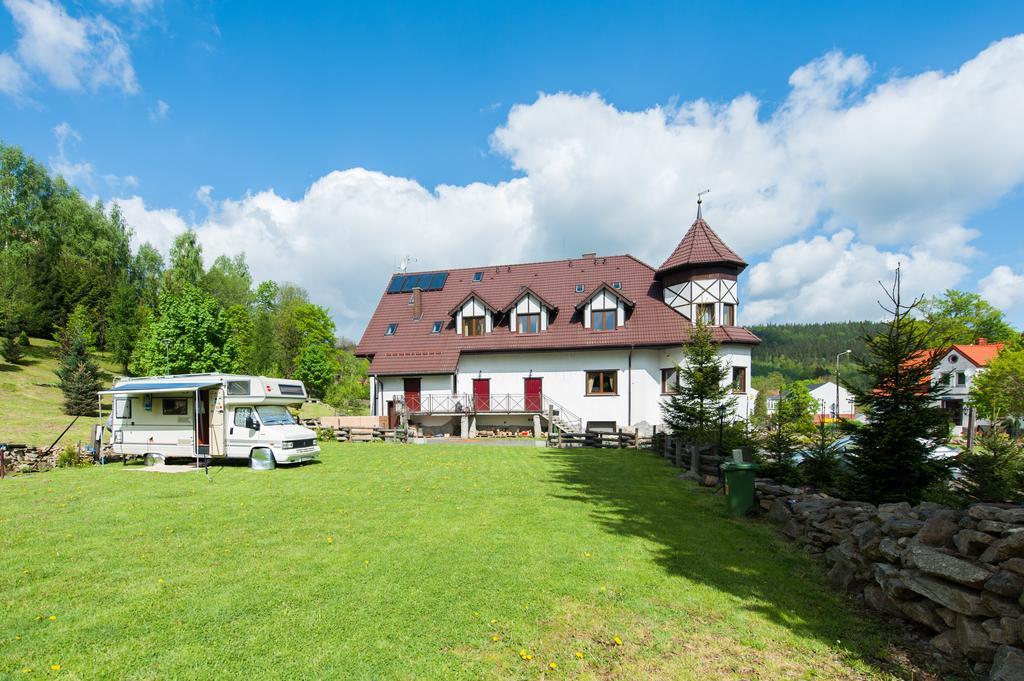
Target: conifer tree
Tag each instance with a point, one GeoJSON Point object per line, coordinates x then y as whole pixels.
{"type": "Point", "coordinates": [691, 411]}
{"type": "Point", "coordinates": [79, 379]}
{"type": "Point", "coordinates": [891, 461]}
{"type": "Point", "coordinates": [10, 347]}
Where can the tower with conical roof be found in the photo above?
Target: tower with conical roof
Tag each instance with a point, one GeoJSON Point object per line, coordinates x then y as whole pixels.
{"type": "Point", "coordinates": [699, 279]}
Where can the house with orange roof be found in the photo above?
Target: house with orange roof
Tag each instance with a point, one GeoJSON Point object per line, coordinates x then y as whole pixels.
{"type": "Point", "coordinates": [957, 368]}
{"type": "Point", "coordinates": [588, 343]}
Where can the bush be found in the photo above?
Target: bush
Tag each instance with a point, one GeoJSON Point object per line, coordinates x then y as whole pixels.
{"type": "Point", "coordinates": [994, 471]}
{"type": "Point", "coordinates": [23, 339]}
{"type": "Point", "coordinates": [324, 434]}
{"type": "Point", "coordinates": [68, 458]}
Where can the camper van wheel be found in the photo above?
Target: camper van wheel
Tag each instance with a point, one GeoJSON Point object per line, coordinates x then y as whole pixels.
{"type": "Point", "coordinates": [262, 459]}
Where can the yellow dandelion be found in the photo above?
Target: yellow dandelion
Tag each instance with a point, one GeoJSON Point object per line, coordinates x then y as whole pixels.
{"type": "Point", "coordinates": [603, 589]}
{"type": "Point", "coordinates": [330, 540]}
{"type": "Point", "coordinates": [53, 617]}
{"type": "Point", "coordinates": [587, 554]}
{"type": "Point", "coordinates": [552, 665]}
{"type": "Point", "coordinates": [618, 641]}
{"type": "Point", "coordinates": [529, 657]}
{"type": "Point", "coordinates": [476, 614]}
{"type": "Point", "coordinates": [495, 638]}
{"type": "Point", "coordinates": [579, 655]}
{"type": "Point", "coordinates": [160, 581]}
{"type": "Point", "coordinates": [494, 621]}
{"type": "Point", "coordinates": [55, 667]}
{"type": "Point", "coordinates": [26, 670]}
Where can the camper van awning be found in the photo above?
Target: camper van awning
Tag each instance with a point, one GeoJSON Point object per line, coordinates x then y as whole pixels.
{"type": "Point", "coordinates": [159, 387]}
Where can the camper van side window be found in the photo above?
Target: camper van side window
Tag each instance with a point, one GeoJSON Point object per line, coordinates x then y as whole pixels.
{"type": "Point", "coordinates": [175, 406]}
{"type": "Point", "coordinates": [241, 414]}
{"type": "Point", "coordinates": [238, 387]}
{"type": "Point", "coordinates": [123, 408]}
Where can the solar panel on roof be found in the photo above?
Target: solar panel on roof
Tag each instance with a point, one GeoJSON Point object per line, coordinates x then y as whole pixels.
{"type": "Point", "coordinates": [437, 281]}
{"type": "Point", "coordinates": [409, 284]}
{"type": "Point", "coordinates": [396, 284]}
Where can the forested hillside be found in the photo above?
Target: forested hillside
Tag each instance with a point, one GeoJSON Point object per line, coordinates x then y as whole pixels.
{"type": "Point", "coordinates": [808, 351]}
{"type": "Point", "coordinates": [68, 272]}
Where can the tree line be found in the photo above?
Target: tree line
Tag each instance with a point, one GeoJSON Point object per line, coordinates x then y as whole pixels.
{"type": "Point", "coordinates": [70, 274]}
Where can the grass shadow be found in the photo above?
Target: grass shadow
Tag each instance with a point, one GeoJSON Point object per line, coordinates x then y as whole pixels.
{"type": "Point", "coordinates": [636, 494]}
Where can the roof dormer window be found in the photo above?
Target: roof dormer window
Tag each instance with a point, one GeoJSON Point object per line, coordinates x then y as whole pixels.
{"type": "Point", "coordinates": [528, 312]}
{"type": "Point", "coordinates": [605, 310]}
{"type": "Point", "coordinates": [391, 330]}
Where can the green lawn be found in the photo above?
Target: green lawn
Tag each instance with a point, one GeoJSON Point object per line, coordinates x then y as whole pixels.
{"type": "Point", "coordinates": [426, 562]}
{"type": "Point", "coordinates": [31, 408]}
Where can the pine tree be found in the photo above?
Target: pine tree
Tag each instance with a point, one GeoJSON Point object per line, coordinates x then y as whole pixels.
{"type": "Point", "coordinates": [891, 461]}
{"type": "Point", "coordinates": [79, 379]}
{"type": "Point", "coordinates": [691, 411]}
{"type": "Point", "coordinates": [10, 348]}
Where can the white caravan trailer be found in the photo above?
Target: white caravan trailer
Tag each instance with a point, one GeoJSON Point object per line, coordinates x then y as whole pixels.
{"type": "Point", "coordinates": [210, 415]}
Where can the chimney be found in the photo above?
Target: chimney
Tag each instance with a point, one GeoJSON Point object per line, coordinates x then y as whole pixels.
{"type": "Point", "coordinates": [417, 303]}
{"type": "Point", "coordinates": [589, 256]}
{"type": "Point", "coordinates": [983, 341]}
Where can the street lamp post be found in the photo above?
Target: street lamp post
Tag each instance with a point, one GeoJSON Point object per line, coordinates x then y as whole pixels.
{"type": "Point", "coordinates": [835, 423]}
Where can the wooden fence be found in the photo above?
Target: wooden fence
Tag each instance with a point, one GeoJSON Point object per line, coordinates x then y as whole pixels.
{"type": "Point", "coordinates": [600, 440]}
{"type": "Point", "coordinates": [700, 460]}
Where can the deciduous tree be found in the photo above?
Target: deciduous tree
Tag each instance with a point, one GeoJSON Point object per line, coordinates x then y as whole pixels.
{"type": "Point", "coordinates": [963, 317]}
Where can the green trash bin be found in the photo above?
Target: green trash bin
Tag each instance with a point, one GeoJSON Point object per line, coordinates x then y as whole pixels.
{"type": "Point", "coordinates": [739, 486]}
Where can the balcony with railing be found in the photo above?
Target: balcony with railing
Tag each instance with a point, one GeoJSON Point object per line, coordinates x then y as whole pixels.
{"type": "Point", "coordinates": [445, 404]}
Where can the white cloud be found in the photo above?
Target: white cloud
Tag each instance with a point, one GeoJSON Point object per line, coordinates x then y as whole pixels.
{"type": "Point", "coordinates": [140, 6]}
{"type": "Point", "coordinates": [159, 111]}
{"type": "Point", "coordinates": [837, 279]}
{"type": "Point", "coordinates": [73, 53]}
{"type": "Point", "coordinates": [1003, 287]}
{"type": "Point", "coordinates": [80, 173]}
{"type": "Point", "coordinates": [850, 178]}
{"type": "Point", "coordinates": [342, 239]}
{"type": "Point", "coordinates": [158, 227]}
{"type": "Point", "coordinates": [13, 78]}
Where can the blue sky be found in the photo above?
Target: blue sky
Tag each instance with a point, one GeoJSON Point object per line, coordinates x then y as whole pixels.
{"type": "Point", "coordinates": [226, 117]}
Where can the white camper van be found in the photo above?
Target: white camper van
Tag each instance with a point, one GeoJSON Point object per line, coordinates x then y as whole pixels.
{"type": "Point", "coordinates": [210, 415]}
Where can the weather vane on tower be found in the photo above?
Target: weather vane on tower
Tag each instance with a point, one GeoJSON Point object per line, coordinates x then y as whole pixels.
{"type": "Point", "coordinates": [700, 200]}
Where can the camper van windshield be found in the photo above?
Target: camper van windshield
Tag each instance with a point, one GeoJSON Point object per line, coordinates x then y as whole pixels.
{"type": "Point", "coordinates": [274, 415]}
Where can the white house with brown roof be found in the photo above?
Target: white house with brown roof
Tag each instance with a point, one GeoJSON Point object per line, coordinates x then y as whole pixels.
{"type": "Point", "coordinates": [584, 343]}
{"type": "Point", "coordinates": [956, 371]}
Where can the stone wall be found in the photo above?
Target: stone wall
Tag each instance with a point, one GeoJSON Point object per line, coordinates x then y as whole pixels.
{"type": "Point", "coordinates": [28, 460]}
{"type": "Point", "coordinates": [960, 574]}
